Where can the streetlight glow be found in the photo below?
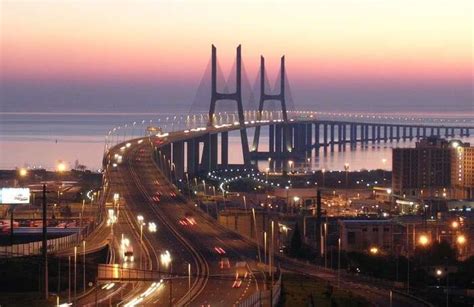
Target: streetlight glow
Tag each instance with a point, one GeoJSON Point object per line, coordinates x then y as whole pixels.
{"type": "Point", "coordinates": [461, 240]}
{"type": "Point", "coordinates": [165, 258]}
{"type": "Point", "coordinates": [423, 240]}
{"type": "Point", "coordinates": [23, 172]}
{"type": "Point", "coordinates": [152, 227]}
{"type": "Point", "coordinates": [61, 167]}
{"type": "Point", "coordinates": [374, 250]}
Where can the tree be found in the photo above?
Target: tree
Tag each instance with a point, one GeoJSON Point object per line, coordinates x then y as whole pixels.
{"type": "Point", "coordinates": [436, 254]}
{"type": "Point", "coordinates": [296, 242]}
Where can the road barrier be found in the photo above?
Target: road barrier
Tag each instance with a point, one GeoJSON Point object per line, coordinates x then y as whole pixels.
{"type": "Point", "coordinates": [53, 245]}
{"type": "Point", "coordinates": [57, 244]}
{"type": "Point", "coordinates": [262, 297]}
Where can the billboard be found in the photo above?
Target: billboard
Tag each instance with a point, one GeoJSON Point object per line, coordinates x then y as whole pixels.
{"type": "Point", "coordinates": [14, 196]}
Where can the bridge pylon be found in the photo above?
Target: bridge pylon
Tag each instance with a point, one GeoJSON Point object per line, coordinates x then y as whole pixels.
{"type": "Point", "coordinates": [236, 96]}
{"type": "Point", "coordinates": [266, 97]}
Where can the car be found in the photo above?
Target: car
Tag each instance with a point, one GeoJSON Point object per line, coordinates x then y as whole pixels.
{"type": "Point", "coordinates": [219, 250]}
{"type": "Point", "coordinates": [128, 256]}
{"type": "Point", "coordinates": [224, 263]}
{"type": "Point", "coordinates": [237, 283]}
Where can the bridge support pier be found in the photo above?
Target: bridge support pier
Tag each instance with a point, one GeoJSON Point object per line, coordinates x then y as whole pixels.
{"type": "Point", "coordinates": [224, 149]}
{"type": "Point", "coordinates": [192, 153]}
{"type": "Point", "coordinates": [316, 137]}
{"type": "Point", "coordinates": [332, 137]}
{"type": "Point", "coordinates": [178, 159]}
{"type": "Point", "coordinates": [325, 136]}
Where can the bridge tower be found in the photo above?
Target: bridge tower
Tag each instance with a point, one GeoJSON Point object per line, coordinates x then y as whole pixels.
{"type": "Point", "coordinates": [266, 97]}
{"type": "Point", "coordinates": [236, 96]}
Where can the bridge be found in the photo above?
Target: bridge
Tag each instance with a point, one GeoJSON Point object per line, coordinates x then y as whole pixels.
{"type": "Point", "coordinates": [140, 169]}
{"type": "Point", "coordinates": [195, 146]}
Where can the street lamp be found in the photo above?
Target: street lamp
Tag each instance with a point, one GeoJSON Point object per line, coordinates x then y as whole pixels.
{"type": "Point", "coordinates": [423, 240]}
{"type": "Point", "coordinates": [23, 172]}
{"type": "Point", "coordinates": [165, 258]}
{"type": "Point", "coordinates": [61, 167]}
{"type": "Point", "coordinates": [290, 163]}
{"type": "Point", "coordinates": [455, 224]}
{"type": "Point", "coordinates": [374, 250]}
{"type": "Point", "coordinates": [296, 199]}
{"type": "Point", "coordinates": [323, 171]}
{"type": "Point", "coordinates": [84, 266]}
{"type": "Point", "coordinates": [140, 222]}
{"type": "Point", "coordinates": [384, 161]}
{"type": "Point", "coordinates": [346, 168]}
{"type": "Point", "coordinates": [461, 240]}
{"type": "Point", "coordinates": [439, 272]}
{"type": "Point", "coordinates": [152, 227]}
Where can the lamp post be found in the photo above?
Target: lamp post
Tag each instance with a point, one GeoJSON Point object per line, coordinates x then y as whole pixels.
{"type": "Point", "coordinates": [84, 266]}
{"type": "Point", "coordinates": [323, 171]}
{"type": "Point", "coordinates": [189, 284]}
{"type": "Point", "coordinates": [384, 161]}
{"type": "Point", "coordinates": [461, 241]}
{"type": "Point", "coordinates": [69, 279]}
{"type": "Point", "coordinates": [75, 275]}
{"type": "Point", "coordinates": [346, 169]}
{"type": "Point", "coordinates": [265, 247]}
{"type": "Point", "coordinates": [325, 244]}
{"type": "Point", "coordinates": [339, 262]}
{"type": "Point", "coordinates": [295, 201]}
{"type": "Point", "coordinates": [140, 223]}
{"type": "Point", "coordinates": [256, 235]}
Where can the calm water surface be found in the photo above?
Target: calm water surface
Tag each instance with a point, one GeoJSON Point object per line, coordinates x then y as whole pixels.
{"type": "Point", "coordinates": [41, 139]}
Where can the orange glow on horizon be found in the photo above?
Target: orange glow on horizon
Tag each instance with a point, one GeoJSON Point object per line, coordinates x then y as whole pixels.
{"type": "Point", "coordinates": [166, 40]}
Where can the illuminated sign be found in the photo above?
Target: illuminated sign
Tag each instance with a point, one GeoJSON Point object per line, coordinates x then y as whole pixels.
{"type": "Point", "coordinates": [14, 196]}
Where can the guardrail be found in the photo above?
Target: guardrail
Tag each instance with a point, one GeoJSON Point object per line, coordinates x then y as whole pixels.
{"type": "Point", "coordinates": [57, 244]}
{"type": "Point", "coordinates": [53, 245]}
{"type": "Point", "coordinates": [413, 297]}
{"type": "Point", "coordinates": [262, 297]}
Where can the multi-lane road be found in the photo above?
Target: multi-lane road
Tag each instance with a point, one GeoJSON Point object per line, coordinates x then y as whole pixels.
{"type": "Point", "coordinates": [197, 245]}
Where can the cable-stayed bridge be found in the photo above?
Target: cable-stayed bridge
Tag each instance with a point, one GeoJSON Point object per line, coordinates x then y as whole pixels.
{"type": "Point", "coordinates": [222, 105]}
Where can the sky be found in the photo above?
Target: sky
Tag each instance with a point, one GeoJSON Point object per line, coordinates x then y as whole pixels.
{"type": "Point", "coordinates": [136, 55]}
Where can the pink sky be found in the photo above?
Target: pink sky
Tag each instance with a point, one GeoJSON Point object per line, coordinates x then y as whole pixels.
{"type": "Point", "coordinates": [402, 41]}
{"type": "Point", "coordinates": [171, 39]}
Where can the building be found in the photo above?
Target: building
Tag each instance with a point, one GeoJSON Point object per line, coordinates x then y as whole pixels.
{"type": "Point", "coordinates": [462, 170]}
{"type": "Point", "coordinates": [361, 235]}
{"type": "Point", "coordinates": [426, 170]}
{"type": "Point", "coordinates": [403, 234]}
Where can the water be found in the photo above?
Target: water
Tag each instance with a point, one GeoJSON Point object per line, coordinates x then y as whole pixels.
{"type": "Point", "coordinates": [42, 139]}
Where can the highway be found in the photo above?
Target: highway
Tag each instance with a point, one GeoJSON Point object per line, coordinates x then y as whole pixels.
{"type": "Point", "coordinates": [138, 181]}
{"type": "Point", "coordinates": [193, 240]}
{"type": "Point", "coordinates": [143, 184]}
{"type": "Point", "coordinates": [197, 243]}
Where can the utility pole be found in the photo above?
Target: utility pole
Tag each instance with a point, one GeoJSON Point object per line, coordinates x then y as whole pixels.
{"type": "Point", "coordinates": [12, 208]}
{"type": "Point", "coordinates": [171, 284]}
{"type": "Point", "coordinates": [45, 247]}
